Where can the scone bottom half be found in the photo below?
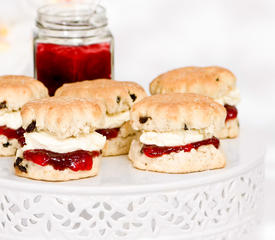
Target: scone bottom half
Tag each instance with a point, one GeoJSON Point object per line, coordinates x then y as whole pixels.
{"type": "Point", "coordinates": [194, 156]}
{"type": "Point", "coordinates": [180, 143]}
{"type": "Point", "coordinates": [51, 157]}
{"type": "Point", "coordinates": [50, 165]}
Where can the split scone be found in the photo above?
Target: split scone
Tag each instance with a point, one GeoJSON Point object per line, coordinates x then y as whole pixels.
{"type": "Point", "coordinates": [60, 141]}
{"type": "Point", "coordinates": [216, 82]}
{"type": "Point", "coordinates": [15, 91]}
{"type": "Point", "coordinates": [177, 133]}
{"type": "Point", "coordinates": [118, 98]}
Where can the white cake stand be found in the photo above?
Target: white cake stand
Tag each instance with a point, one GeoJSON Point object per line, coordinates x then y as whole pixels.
{"type": "Point", "coordinates": [125, 203]}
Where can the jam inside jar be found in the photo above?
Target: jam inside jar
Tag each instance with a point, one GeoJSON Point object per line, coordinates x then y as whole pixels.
{"type": "Point", "coordinates": [72, 43]}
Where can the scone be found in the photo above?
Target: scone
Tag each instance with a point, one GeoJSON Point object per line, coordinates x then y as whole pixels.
{"type": "Point", "coordinates": [15, 91]}
{"type": "Point", "coordinates": [177, 133]}
{"type": "Point", "coordinates": [60, 140]}
{"type": "Point", "coordinates": [118, 98]}
{"type": "Point", "coordinates": [216, 82]}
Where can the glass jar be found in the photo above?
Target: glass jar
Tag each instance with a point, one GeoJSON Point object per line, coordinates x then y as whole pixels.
{"type": "Point", "coordinates": [72, 43]}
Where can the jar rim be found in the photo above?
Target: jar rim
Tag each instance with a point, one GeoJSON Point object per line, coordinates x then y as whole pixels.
{"type": "Point", "coordinates": [58, 15]}
{"type": "Point", "coordinates": [41, 10]}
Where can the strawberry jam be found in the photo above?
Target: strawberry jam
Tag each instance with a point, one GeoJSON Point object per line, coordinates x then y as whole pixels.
{"type": "Point", "coordinates": [109, 133]}
{"type": "Point", "coordinates": [232, 112]}
{"type": "Point", "coordinates": [59, 64]}
{"type": "Point", "coordinates": [154, 151]}
{"type": "Point", "coordinates": [79, 160]}
{"type": "Point", "coordinates": [13, 134]}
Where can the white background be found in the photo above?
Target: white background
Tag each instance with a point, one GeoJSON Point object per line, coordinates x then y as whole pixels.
{"type": "Point", "coordinates": [153, 36]}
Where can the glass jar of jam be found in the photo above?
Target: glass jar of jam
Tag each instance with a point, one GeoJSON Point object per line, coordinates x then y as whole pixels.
{"type": "Point", "coordinates": [72, 43]}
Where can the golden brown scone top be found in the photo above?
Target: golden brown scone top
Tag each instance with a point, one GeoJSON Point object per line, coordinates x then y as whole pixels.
{"type": "Point", "coordinates": [175, 111]}
{"type": "Point", "coordinates": [117, 96]}
{"type": "Point", "coordinates": [64, 116]}
{"type": "Point", "coordinates": [16, 90]}
{"type": "Point", "coordinates": [211, 81]}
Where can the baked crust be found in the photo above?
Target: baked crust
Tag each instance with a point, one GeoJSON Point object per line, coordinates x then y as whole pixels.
{"type": "Point", "coordinates": [48, 173]}
{"type": "Point", "coordinates": [204, 158]}
{"type": "Point", "coordinates": [175, 111]}
{"type": "Point", "coordinates": [211, 81]}
{"type": "Point", "coordinates": [17, 90]}
{"type": "Point", "coordinates": [117, 96]}
{"type": "Point", "coordinates": [230, 130]}
{"type": "Point", "coordinates": [64, 116]}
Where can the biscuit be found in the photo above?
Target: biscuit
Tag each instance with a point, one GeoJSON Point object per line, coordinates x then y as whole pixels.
{"type": "Point", "coordinates": [63, 116]}
{"type": "Point", "coordinates": [230, 130]}
{"type": "Point", "coordinates": [31, 170]}
{"type": "Point", "coordinates": [117, 96]}
{"type": "Point", "coordinates": [212, 81]}
{"type": "Point", "coordinates": [204, 158]}
{"type": "Point", "coordinates": [15, 91]}
{"type": "Point", "coordinates": [175, 111]}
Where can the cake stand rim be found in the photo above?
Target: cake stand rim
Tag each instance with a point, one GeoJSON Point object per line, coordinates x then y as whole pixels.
{"type": "Point", "coordinates": [51, 187]}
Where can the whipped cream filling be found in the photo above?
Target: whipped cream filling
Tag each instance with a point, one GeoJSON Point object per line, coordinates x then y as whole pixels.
{"type": "Point", "coordinates": [116, 120]}
{"type": "Point", "coordinates": [12, 120]}
{"type": "Point", "coordinates": [174, 138]}
{"type": "Point", "coordinates": [233, 98]}
{"type": "Point", "coordinates": [42, 140]}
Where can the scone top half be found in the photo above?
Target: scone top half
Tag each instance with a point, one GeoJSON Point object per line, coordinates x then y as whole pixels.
{"type": "Point", "coordinates": [61, 130]}
{"type": "Point", "coordinates": [118, 98]}
{"type": "Point", "coordinates": [176, 119]}
{"type": "Point", "coordinates": [215, 82]}
{"type": "Point", "coordinates": [63, 117]}
{"type": "Point", "coordinates": [15, 91]}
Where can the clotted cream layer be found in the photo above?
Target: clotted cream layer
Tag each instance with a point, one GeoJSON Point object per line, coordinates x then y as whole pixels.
{"type": "Point", "coordinates": [43, 140]}
{"type": "Point", "coordinates": [233, 98]}
{"type": "Point", "coordinates": [173, 138]}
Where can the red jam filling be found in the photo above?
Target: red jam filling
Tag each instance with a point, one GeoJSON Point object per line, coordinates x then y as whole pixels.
{"type": "Point", "coordinates": [59, 64]}
{"type": "Point", "coordinates": [232, 112]}
{"type": "Point", "coordinates": [109, 133]}
{"type": "Point", "coordinates": [13, 134]}
{"type": "Point", "coordinates": [154, 151]}
{"type": "Point", "coordinates": [79, 160]}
